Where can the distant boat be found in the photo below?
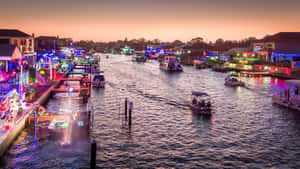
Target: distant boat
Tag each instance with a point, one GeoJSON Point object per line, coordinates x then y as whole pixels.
{"type": "Point", "coordinates": [170, 63]}
{"type": "Point", "coordinates": [98, 81]}
{"type": "Point", "coordinates": [232, 80]}
{"type": "Point", "coordinates": [198, 64]}
{"type": "Point", "coordinates": [139, 58]}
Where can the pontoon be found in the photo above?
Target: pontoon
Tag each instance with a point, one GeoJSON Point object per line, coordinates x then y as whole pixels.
{"type": "Point", "coordinates": [201, 103]}
{"type": "Point", "coordinates": [170, 63]}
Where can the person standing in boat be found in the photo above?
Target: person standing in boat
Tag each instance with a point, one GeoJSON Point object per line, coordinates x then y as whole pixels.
{"type": "Point", "coordinates": [287, 94]}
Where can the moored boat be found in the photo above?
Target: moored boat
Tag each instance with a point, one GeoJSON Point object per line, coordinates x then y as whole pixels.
{"type": "Point", "coordinates": [200, 63]}
{"type": "Point", "coordinates": [289, 98]}
{"type": "Point", "coordinates": [139, 58]}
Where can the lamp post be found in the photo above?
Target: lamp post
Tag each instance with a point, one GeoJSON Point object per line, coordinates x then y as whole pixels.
{"type": "Point", "coordinates": [21, 76]}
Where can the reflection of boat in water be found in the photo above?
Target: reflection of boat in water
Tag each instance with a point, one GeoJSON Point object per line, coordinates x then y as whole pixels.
{"type": "Point", "coordinates": [232, 80]}
{"type": "Point", "coordinates": [58, 126]}
{"type": "Point", "coordinates": [201, 104]}
{"type": "Point", "coordinates": [170, 63]}
{"type": "Point", "coordinates": [290, 98]}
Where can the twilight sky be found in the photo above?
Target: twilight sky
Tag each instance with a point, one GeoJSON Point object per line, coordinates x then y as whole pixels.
{"type": "Point", "coordinates": [107, 20]}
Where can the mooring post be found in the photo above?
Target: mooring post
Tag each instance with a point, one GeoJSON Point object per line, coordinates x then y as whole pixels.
{"type": "Point", "coordinates": [126, 100]}
{"type": "Point", "coordinates": [130, 110]}
{"type": "Point", "coordinates": [93, 155]}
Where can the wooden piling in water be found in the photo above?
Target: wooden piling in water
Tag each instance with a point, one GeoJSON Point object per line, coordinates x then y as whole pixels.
{"type": "Point", "coordinates": [130, 110]}
{"type": "Point", "coordinates": [126, 108]}
{"type": "Point", "coordinates": [93, 155]}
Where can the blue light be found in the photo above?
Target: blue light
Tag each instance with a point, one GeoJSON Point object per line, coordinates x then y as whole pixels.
{"type": "Point", "coordinates": [80, 123]}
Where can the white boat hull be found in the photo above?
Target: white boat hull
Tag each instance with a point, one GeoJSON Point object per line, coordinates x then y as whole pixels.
{"type": "Point", "coordinates": [231, 83]}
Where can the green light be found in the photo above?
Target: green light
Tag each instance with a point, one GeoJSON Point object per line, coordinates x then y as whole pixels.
{"type": "Point", "coordinates": [238, 58]}
{"type": "Point", "coordinates": [253, 59]}
{"type": "Point", "coordinates": [65, 125]}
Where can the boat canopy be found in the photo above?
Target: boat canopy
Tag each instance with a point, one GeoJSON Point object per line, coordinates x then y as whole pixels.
{"type": "Point", "coordinates": [199, 94]}
{"type": "Point", "coordinates": [234, 75]}
{"type": "Point", "coordinates": [293, 82]}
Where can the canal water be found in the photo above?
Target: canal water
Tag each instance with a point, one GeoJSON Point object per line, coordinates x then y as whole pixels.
{"type": "Point", "coordinates": [247, 130]}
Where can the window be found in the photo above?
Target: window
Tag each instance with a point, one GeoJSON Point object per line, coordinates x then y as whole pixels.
{"type": "Point", "coordinates": [23, 42]}
{"type": "Point", "coordinates": [15, 42]}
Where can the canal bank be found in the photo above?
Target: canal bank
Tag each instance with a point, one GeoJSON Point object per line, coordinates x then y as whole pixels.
{"type": "Point", "coordinates": [75, 137]}
{"type": "Point", "coordinates": [10, 136]}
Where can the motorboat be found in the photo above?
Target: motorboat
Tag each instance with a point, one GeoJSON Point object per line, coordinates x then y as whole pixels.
{"type": "Point", "coordinates": [232, 80]}
{"type": "Point", "coordinates": [201, 104]}
{"type": "Point", "coordinates": [98, 81]}
{"type": "Point", "coordinates": [290, 97]}
{"type": "Point", "coordinates": [139, 58]}
{"type": "Point", "coordinates": [170, 63]}
{"type": "Point", "coordinates": [200, 63]}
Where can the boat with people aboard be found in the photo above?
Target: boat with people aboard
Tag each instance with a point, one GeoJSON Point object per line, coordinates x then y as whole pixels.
{"type": "Point", "coordinates": [232, 80]}
{"type": "Point", "coordinates": [201, 104]}
{"type": "Point", "coordinates": [171, 63]}
{"type": "Point", "coordinates": [98, 81]}
{"type": "Point", "coordinates": [290, 97]}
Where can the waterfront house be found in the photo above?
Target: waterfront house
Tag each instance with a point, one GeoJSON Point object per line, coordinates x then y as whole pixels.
{"type": "Point", "coordinates": [9, 57]}
{"type": "Point", "coordinates": [21, 40]}
{"type": "Point", "coordinates": [10, 74]}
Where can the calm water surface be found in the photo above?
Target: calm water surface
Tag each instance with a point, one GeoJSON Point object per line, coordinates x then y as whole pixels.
{"type": "Point", "coordinates": [246, 131]}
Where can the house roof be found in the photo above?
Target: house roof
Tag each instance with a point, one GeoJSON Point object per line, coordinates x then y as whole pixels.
{"type": "Point", "coordinates": [46, 37]}
{"type": "Point", "coordinates": [283, 36]}
{"type": "Point", "coordinates": [7, 49]}
{"type": "Point", "coordinates": [12, 33]}
{"type": "Point", "coordinates": [287, 35]}
{"type": "Point", "coordinates": [286, 47]}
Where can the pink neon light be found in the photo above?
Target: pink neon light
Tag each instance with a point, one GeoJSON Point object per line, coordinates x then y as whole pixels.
{"type": "Point", "coordinates": [259, 44]}
{"type": "Point", "coordinates": [287, 70]}
{"type": "Point", "coordinates": [255, 73]}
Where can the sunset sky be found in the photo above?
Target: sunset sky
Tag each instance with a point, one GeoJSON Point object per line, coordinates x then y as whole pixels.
{"type": "Point", "coordinates": [108, 20]}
